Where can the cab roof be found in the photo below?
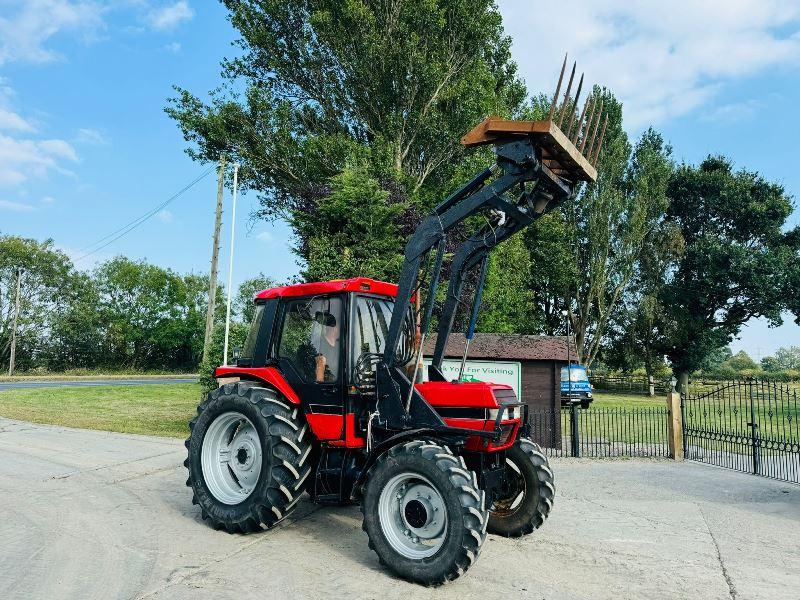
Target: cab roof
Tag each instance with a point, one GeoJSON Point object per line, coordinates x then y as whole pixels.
{"type": "Point", "coordinates": [357, 284]}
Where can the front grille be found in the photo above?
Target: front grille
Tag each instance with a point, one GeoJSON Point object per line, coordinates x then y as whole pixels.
{"type": "Point", "coordinates": [505, 396]}
{"type": "Point", "coordinates": [461, 413]}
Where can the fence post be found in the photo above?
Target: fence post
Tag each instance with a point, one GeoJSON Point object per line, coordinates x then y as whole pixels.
{"type": "Point", "coordinates": [675, 425]}
{"type": "Point", "coordinates": [573, 418]}
{"type": "Point", "coordinates": [651, 390]}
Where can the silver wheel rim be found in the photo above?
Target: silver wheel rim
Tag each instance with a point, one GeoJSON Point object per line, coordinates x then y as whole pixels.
{"type": "Point", "coordinates": [412, 515]}
{"type": "Point", "coordinates": [231, 458]}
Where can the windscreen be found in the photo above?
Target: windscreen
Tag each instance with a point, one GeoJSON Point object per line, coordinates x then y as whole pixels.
{"type": "Point", "coordinates": [252, 336]}
{"type": "Point", "coordinates": [372, 317]}
{"type": "Point", "coordinates": [572, 374]}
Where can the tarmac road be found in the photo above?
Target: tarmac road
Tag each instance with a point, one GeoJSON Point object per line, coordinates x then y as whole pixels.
{"type": "Point", "coordinates": [20, 385]}
{"type": "Point", "coordinates": [88, 514]}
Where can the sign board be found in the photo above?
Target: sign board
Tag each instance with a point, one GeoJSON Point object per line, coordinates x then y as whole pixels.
{"type": "Point", "coordinates": [488, 371]}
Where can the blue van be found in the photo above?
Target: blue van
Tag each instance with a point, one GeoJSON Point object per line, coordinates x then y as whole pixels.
{"type": "Point", "coordinates": [575, 386]}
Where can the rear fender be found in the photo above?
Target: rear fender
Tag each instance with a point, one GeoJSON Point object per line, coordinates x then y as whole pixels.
{"type": "Point", "coordinates": [269, 375]}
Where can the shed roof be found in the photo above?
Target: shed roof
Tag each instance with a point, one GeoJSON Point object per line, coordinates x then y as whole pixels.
{"type": "Point", "coordinates": [507, 346]}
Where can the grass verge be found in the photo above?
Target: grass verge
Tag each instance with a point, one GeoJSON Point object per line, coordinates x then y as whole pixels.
{"type": "Point", "coordinates": [163, 410]}
{"type": "Point", "coordinates": [80, 375]}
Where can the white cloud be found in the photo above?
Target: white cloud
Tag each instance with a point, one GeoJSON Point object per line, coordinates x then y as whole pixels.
{"type": "Point", "coordinates": [48, 200]}
{"type": "Point", "coordinates": [25, 32]}
{"type": "Point", "coordinates": [21, 159]}
{"type": "Point", "coordinates": [662, 59]}
{"type": "Point", "coordinates": [58, 149]}
{"type": "Point", "coordinates": [173, 47]}
{"type": "Point", "coordinates": [164, 216]}
{"type": "Point", "coordinates": [11, 121]}
{"type": "Point", "coordinates": [265, 236]}
{"type": "Point", "coordinates": [91, 137]}
{"type": "Point", "coordinates": [170, 15]}
{"type": "Point", "coordinates": [735, 112]}
{"type": "Point", "coordinates": [15, 206]}
{"type": "Point", "coordinates": [80, 259]}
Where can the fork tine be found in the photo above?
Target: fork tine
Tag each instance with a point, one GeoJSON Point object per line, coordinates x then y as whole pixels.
{"type": "Point", "coordinates": [566, 96]}
{"type": "Point", "coordinates": [588, 123]}
{"type": "Point", "coordinates": [558, 89]}
{"type": "Point", "coordinates": [594, 129]}
{"type": "Point", "coordinates": [596, 153]}
{"type": "Point", "coordinates": [574, 106]}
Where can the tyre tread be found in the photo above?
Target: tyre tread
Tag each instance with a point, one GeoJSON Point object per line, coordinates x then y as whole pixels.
{"type": "Point", "coordinates": [474, 512]}
{"type": "Point", "coordinates": [288, 453]}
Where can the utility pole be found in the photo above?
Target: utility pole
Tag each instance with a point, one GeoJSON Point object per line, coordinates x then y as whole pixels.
{"type": "Point", "coordinates": [14, 327]}
{"type": "Point", "coordinates": [212, 279]}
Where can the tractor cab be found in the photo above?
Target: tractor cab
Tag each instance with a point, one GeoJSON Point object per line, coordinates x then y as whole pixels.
{"type": "Point", "coordinates": [321, 342]}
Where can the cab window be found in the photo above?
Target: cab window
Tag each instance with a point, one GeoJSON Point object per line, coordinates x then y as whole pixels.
{"type": "Point", "coordinates": [371, 319]}
{"type": "Point", "coordinates": [311, 338]}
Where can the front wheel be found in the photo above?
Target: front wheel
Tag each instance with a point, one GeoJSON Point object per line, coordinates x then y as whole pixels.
{"type": "Point", "coordinates": [526, 498]}
{"type": "Point", "coordinates": [424, 513]}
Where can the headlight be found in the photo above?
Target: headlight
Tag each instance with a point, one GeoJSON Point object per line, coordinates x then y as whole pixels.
{"type": "Point", "coordinates": [510, 412]}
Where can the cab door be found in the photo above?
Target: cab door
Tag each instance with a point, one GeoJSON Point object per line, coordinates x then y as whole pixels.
{"type": "Point", "coordinates": [310, 353]}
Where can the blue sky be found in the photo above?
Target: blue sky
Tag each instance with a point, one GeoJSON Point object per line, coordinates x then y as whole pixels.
{"type": "Point", "coordinates": [85, 146]}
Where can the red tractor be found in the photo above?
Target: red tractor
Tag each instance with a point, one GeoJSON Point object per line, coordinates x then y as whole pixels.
{"type": "Point", "coordinates": [321, 399]}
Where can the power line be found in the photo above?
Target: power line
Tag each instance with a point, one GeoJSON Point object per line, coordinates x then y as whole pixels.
{"type": "Point", "coordinates": [127, 228]}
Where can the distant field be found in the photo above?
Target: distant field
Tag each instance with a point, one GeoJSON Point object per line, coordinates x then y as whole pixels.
{"type": "Point", "coordinates": [163, 410]}
{"type": "Point", "coordinates": [87, 375]}
{"type": "Point", "coordinates": [618, 400]}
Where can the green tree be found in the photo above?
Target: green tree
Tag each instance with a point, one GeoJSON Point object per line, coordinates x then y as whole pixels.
{"type": "Point", "coordinates": [613, 221]}
{"type": "Point", "coordinates": [244, 307]}
{"type": "Point", "coordinates": [77, 328]}
{"type": "Point", "coordinates": [507, 305]}
{"type": "Point", "coordinates": [237, 336]}
{"type": "Point", "coordinates": [553, 268]}
{"type": "Point", "coordinates": [736, 264]}
{"type": "Point", "coordinates": [153, 317]}
{"type": "Point", "coordinates": [784, 359]}
{"type": "Point", "coordinates": [390, 103]}
{"type": "Point", "coordinates": [46, 275]}
{"type": "Point", "coordinates": [354, 229]}
{"type": "Point", "coordinates": [741, 361]}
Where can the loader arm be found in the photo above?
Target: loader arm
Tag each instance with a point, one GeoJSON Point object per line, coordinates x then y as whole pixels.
{"type": "Point", "coordinates": [537, 167]}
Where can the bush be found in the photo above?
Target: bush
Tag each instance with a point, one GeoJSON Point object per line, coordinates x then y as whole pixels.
{"type": "Point", "coordinates": [238, 334]}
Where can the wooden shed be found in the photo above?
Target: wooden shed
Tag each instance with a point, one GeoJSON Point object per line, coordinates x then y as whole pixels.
{"type": "Point", "coordinates": [534, 360]}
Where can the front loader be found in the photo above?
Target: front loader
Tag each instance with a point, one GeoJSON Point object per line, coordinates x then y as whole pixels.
{"type": "Point", "coordinates": [325, 397]}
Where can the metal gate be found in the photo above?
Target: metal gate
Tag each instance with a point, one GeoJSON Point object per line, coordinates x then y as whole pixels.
{"type": "Point", "coordinates": [750, 426]}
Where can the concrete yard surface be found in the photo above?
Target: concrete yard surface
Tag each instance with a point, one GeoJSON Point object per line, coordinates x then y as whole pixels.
{"type": "Point", "coordinates": [89, 514]}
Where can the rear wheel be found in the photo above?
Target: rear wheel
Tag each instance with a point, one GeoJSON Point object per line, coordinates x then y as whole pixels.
{"type": "Point", "coordinates": [248, 457]}
{"type": "Point", "coordinates": [424, 513]}
{"type": "Point", "coordinates": [525, 501]}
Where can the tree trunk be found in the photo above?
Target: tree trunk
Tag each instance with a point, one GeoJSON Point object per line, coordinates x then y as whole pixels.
{"type": "Point", "coordinates": [683, 382]}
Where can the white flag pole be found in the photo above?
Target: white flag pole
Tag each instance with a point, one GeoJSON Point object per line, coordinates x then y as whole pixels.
{"type": "Point", "coordinates": [230, 264]}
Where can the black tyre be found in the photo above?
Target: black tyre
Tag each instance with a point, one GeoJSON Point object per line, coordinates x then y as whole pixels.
{"type": "Point", "coordinates": [424, 513]}
{"type": "Point", "coordinates": [527, 496]}
{"type": "Point", "coordinates": [248, 457]}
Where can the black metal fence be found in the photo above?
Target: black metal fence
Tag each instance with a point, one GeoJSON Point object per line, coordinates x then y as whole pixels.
{"type": "Point", "coordinates": [749, 426]}
{"type": "Point", "coordinates": [601, 431]}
